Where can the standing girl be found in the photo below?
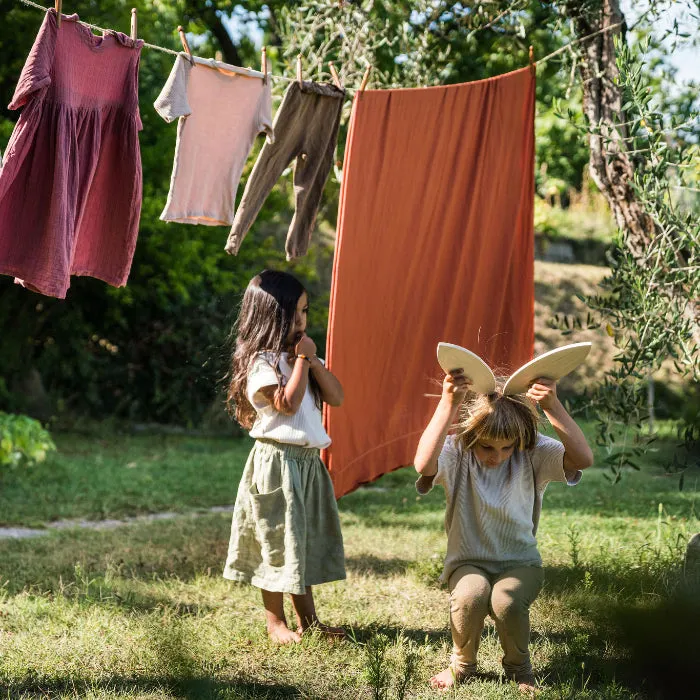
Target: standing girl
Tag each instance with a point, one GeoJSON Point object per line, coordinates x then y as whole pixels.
{"type": "Point", "coordinates": [494, 471]}
{"type": "Point", "coordinates": [285, 535]}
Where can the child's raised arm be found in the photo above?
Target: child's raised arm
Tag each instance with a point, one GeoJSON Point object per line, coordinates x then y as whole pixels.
{"type": "Point", "coordinates": [454, 389]}
{"type": "Point", "coordinates": [331, 389]}
{"type": "Point", "coordinates": [578, 454]}
{"type": "Point", "coordinates": [287, 399]}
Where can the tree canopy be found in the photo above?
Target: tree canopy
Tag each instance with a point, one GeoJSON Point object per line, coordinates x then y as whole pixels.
{"type": "Point", "coordinates": [155, 349]}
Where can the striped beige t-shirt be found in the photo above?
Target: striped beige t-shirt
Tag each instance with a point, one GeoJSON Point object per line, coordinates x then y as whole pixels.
{"type": "Point", "coordinates": [492, 513]}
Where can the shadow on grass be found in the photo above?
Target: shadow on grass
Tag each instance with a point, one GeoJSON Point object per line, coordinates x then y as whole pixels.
{"type": "Point", "coordinates": [377, 566]}
{"type": "Point", "coordinates": [142, 554]}
{"type": "Point", "coordinates": [592, 580]}
{"type": "Point", "coordinates": [585, 662]}
{"type": "Point", "coordinates": [140, 603]}
{"type": "Point", "coordinates": [647, 632]}
{"type": "Point", "coordinates": [361, 634]}
{"type": "Point", "coordinates": [586, 667]}
{"type": "Point", "coordinates": [179, 672]}
{"type": "Point", "coordinates": [647, 629]}
{"type": "Point", "coordinates": [663, 643]}
{"type": "Point", "coordinates": [640, 638]}
{"type": "Point", "coordinates": [182, 549]}
{"type": "Point", "coordinates": [189, 688]}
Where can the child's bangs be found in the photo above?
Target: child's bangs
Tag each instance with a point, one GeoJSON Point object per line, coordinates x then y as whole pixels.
{"type": "Point", "coordinates": [510, 418]}
{"type": "Point", "coordinates": [503, 425]}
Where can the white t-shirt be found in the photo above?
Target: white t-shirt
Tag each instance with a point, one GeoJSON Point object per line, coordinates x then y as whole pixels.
{"type": "Point", "coordinates": [492, 513]}
{"type": "Point", "coordinates": [304, 428]}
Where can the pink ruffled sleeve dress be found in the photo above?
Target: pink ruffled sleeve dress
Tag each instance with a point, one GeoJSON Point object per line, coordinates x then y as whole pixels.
{"type": "Point", "coordinates": [70, 185]}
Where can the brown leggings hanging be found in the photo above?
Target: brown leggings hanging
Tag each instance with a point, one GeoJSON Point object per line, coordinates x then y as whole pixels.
{"type": "Point", "coordinates": [306, 129]}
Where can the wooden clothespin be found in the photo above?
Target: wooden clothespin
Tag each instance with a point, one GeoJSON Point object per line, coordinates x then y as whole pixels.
{"type": "Point", "coordinates": [300, 77]}
{"type": "Point", "coordinates": [58, 5]}
{"type": "Point", "coordinates": [365, 78]}
{"type": "Point", "coordinates": [531, 57]}
{"type": "Point", "coordinates": [134, 24]}
{"type": "Point", "coordinates": [263, 64]}
{"type": "Point", "coordinates": [185, 45]}
{"type": "Point", "coordinates": [334, 75]}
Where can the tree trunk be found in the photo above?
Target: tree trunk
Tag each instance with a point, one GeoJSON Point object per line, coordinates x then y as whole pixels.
{"type": "Point", "coordinates": [228, 48]}
{"type": "Point", "coordinates": [206, 13]}
{"type": "Point", "coordinates": [609, 164]}
{"type": "Point", "coordinates": [610, 167]}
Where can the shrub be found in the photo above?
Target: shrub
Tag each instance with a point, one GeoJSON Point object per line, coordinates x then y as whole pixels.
{"type": "Point", "coordinates": [22, 440]}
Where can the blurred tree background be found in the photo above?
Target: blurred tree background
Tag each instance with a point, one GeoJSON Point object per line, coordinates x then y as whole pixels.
{"type": "Point", "coordinates": [156, 350]}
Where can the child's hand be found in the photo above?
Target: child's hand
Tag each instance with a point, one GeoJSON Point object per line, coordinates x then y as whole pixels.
{"type": "Point", "coordinates": [544, 392]}
{"type": "Point", "coordinates": [455, 387]}
{"type": "Point", "coordinates": [305, 346]}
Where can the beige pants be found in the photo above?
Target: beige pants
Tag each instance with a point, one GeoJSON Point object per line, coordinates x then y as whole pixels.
{"type": "Point", "coordinates": [507, 598]}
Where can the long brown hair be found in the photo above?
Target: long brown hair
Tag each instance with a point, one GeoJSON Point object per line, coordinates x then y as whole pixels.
{"type": "Point", "coordinates": [263, 324]}
{"type": "Point", "coordinates": [498, 417]}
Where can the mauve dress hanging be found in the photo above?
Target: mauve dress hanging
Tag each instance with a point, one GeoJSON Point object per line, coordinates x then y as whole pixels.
{"type": "Point", "coordinates": [70, 186]}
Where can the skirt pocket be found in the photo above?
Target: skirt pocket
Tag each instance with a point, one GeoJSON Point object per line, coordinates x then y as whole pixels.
{"type": "Point", "coordinates": [269, 513]}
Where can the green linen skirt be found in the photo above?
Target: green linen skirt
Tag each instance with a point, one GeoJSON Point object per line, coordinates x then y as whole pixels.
{"type": "Point", "coordinates": [285, 533]}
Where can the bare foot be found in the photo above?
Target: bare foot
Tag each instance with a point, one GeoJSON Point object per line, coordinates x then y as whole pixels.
{"type": "Point", "coordinates": [281, 634]}
{"type": "Point", "coordinates": [326, 630]}
{"type": "Point", "coordinates": [448, 678]}
{"type": "Point", "coordinates": [528, 688]}
{"type": "Point", "coordinates": [526, 684]}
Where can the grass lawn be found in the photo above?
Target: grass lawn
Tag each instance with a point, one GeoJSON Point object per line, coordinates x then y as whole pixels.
{"type": "Point", "coordinates": [143, 612]}
{"type": "Point", "coordinates": [121, 475]}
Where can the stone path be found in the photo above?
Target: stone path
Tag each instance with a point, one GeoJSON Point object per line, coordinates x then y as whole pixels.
{"type": "Point", "coordinates": [25, 532]}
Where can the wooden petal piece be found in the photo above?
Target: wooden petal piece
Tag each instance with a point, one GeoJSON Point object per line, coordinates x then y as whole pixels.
{"type": "Point", "coordinates": [456, 357]}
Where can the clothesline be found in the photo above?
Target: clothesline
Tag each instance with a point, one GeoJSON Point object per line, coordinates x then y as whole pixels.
{"type": "Point", "coordinates": [101, 29]}
{"type": "Point", "coordinates": [283, 78]}
{"type": "Point", "coordinates": [155, 47]}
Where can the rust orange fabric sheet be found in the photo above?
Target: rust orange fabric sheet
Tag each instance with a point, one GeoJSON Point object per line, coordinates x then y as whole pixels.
{"type": "Point", "coordinates": [435, 243]}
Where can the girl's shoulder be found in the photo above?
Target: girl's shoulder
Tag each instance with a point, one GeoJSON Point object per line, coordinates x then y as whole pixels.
{"type": "Point", "coordinates": [263, 371]}
{"type": "Point", "coordinates": [266, 357]}
{"type": "Point", "coordinates": [547, 454]}
{"type": "Point", "coordinates": [268, 362]}
{"type": "Point", "coordinates": [453, 449]}
{"type": "Point", "coordinates": [544, 442]}
{"type": "Point", "coordinates": [263, 361]}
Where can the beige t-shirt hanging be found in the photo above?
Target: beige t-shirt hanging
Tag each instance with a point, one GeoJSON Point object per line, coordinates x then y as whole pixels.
{"type": "Point", "coordinates": [220, 112]}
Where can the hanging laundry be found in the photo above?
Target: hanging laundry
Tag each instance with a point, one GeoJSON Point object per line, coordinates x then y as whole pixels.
{"type": "Point", "coordinates": [435, 243]}
{"type": "Point", "coordinates": [306, 129]}
{"type": "Point", "coordinates": [70, 187]}
{"type": "Point", "coordinates": [221, 112]}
